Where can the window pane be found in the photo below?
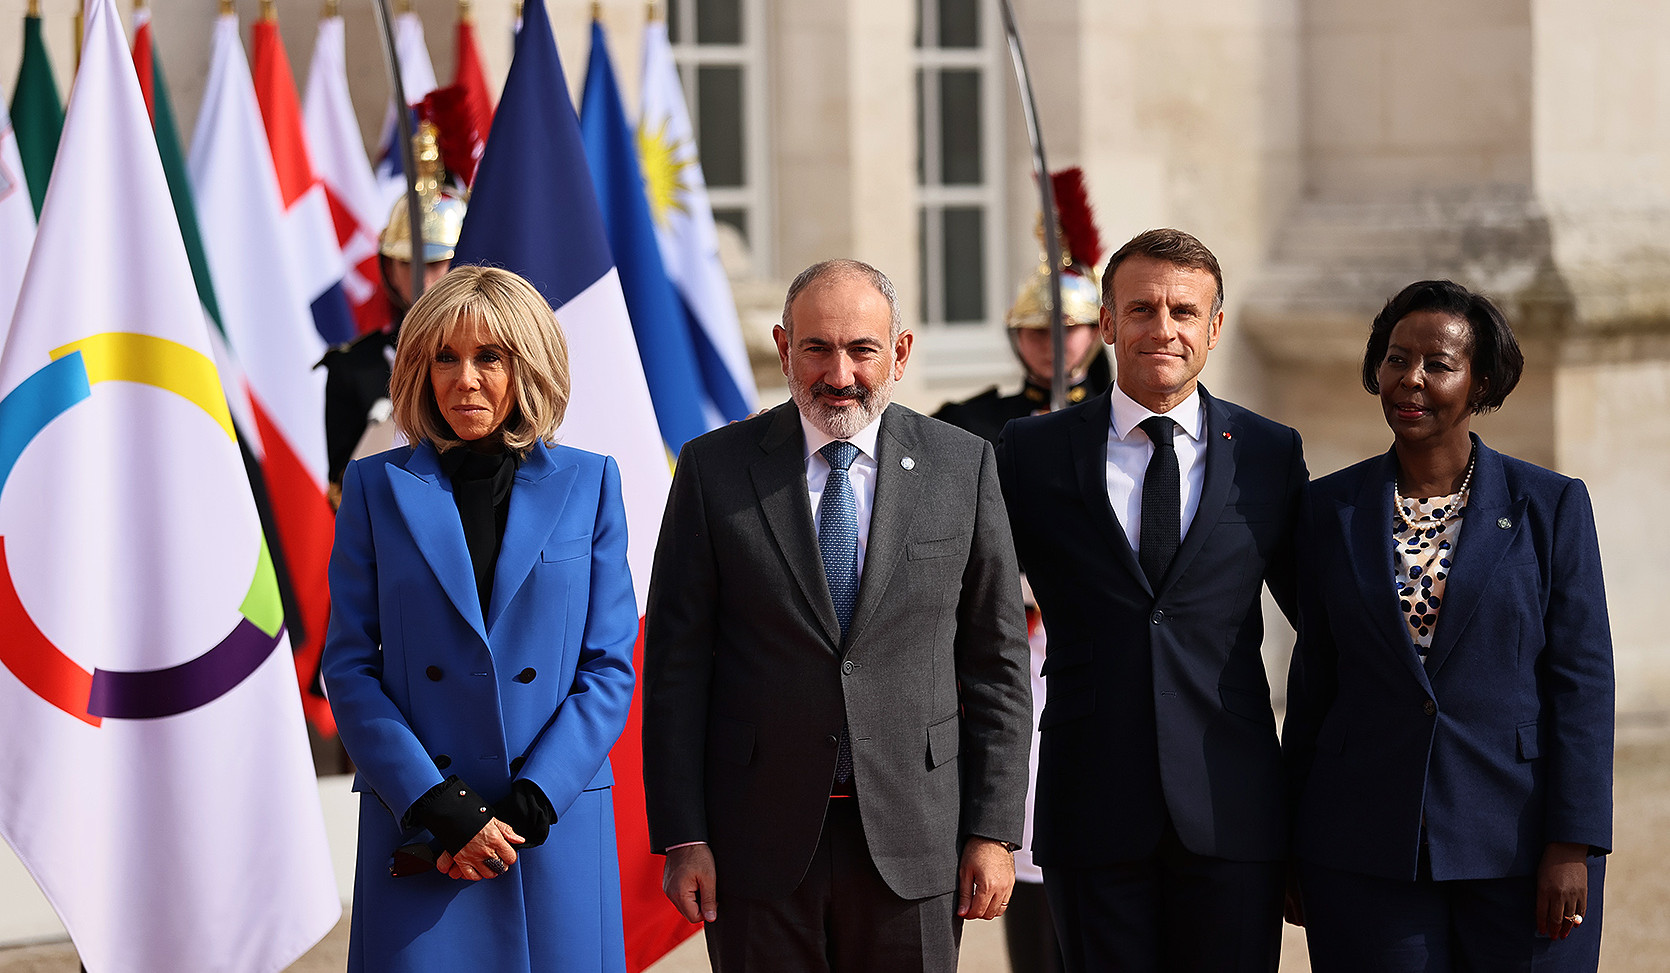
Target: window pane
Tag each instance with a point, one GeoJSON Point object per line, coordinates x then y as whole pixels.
{"type": "Point", "coordinates": [959, 128]}
{"type": "Point", "coordinates": [734, 217]}
{"type": "Point", "coordinates": [719, 121]}
{"type": "Point", "coordinates": [719, 22]}
{"type": "Point", "coordinates": [673, 18]}
{"type": "Point", "coordinates": [965, 264]}
{"type": "Point", "coordinates": [923, 247]}
{"type": "Point", "coordinates": [921, 131]}
{"type": "Point", "coordinates": [959, 23]}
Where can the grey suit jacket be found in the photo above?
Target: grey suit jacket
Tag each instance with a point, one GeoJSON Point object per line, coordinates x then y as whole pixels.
{"type": "Point", "coordinates": [747, 682]}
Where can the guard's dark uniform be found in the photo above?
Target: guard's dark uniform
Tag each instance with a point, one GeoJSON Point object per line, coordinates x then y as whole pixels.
{"type": "Point", "coordinates": [357, 375]}
{"type": "Point", "coordinates": [986, 413]}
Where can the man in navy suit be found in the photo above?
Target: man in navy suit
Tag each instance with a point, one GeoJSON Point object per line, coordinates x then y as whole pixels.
{"type": "Point", "coordinates": [1148, 519]}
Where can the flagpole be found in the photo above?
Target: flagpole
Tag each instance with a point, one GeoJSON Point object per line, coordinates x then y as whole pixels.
{"type": "Point", "coordinates": [1046, 200]}
{"type": "Point", "coordinates": [403, 127]}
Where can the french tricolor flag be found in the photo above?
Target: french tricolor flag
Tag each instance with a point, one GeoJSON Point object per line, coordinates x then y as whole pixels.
{"type": "Point", "coordinates": [309, 230]}
{"type": "Point", "coordinates": [533, 210]}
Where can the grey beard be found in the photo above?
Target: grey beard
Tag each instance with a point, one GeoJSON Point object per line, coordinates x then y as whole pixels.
{"type": "Point", "coordinates": [842, 423]}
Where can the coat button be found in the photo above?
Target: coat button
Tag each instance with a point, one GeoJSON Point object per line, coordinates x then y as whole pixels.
{"type": "Point", "coordinates": [1430, 708]}
{"type": "Point", "coordinates": [526, 675]}
{"type": "Point", "coordinates": [1157, 617]}
{"type": "Point", "coordinates": [847, 667]}
{"type": "Point", "coordinates": [434, 673]}
{"type": "Point", "coordinates": [442, 761]}
{"type": "Point", "coordinates": [832, 740]}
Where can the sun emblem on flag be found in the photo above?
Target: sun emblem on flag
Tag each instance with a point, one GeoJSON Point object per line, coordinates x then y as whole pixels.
{"type": "Point", "coordinates": [665, 164]}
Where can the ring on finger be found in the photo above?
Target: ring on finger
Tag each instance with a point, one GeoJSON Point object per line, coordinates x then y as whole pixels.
{"type": "Point", "coordinates": [495, 864]}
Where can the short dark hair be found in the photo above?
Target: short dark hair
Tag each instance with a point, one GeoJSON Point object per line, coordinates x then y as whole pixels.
{"type": "Point", "coordinates": [1494, 356]}
{"type": "Point", "coordinates": [1172, 246]}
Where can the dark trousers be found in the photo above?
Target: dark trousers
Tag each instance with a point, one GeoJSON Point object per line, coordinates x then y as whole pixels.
{"type": "Point", "coordinates": [1362, 924]}
{"type": "Point", "coordinates": [842, 919]}
{"type": "Point", "coordinates": [1172, 912]}
{"type": "Point", "coordinates": [1029, 932]}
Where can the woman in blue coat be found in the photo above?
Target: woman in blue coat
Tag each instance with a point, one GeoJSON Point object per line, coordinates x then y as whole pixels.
{"type": "Point", "coordinates": [479, 655]}
{"type": "Point", "coordinates": [1450, 704]}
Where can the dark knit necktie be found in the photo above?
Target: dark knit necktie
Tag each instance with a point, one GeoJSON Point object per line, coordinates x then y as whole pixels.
{"type": "Point", "coordinates": [838, 548]}
{"type": "Point", "coordinates": [1162, 502]}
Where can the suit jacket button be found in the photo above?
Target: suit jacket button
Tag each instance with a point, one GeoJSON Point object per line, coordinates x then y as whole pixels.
{"type": "Point", "coordinates": [526, 675]}
{"type": "Point", "coordinates": [1157, 617]}
{"type": "Point", "coordinates": [846, 667]}
{"type": "Point", "coordinates": [516, 764]}
{"type": "Point", "coordinates": [1430, 708]}
{"type": "Point", "coordinates": [442, 761]}
{"type": "Point", "coordinates": [434, 673]}
{"type": "Point", "coordinates": [832, 740]}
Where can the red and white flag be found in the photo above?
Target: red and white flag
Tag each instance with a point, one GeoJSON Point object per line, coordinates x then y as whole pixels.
{"type": "Point", "coordinates": [333, 135]}
{"type": "Point", "coordinates": [159, 785]}
{"type": "Point", "coordinates": [292, 433]}
{"type": "Point", "coordinates": [309, 231]}
{"type": "Point", "coordinates": [468, 76]}
{"type": "Point", "coordinates": [417, 77]}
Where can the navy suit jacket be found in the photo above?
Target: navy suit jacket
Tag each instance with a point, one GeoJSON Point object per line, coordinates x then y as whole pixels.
{"type": "Point", "coordinates": [1502, 741]}
{"type": "Point", "coordinates": [1157, 700]}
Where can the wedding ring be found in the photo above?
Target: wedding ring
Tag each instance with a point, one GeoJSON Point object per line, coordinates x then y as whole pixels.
{"type": "Point", "coordinates": [1575, 920]}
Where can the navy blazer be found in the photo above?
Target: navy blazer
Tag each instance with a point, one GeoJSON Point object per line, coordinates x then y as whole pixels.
{"type": "Point", "coordinates": [1158, 703]}
{"type": "Point", "coordinates": [1502, 741]}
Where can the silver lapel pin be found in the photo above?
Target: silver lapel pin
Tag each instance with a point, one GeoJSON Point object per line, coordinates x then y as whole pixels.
{"type": "Point", "coordinates": [908, 463]}
{"type": "Point", "coordinates": [1504, 523]}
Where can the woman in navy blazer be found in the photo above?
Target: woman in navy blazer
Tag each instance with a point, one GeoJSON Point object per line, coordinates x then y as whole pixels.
{"type": "Point", "coordinates": [1450, 705]}
{"type": "Point", "coordinates": [479, 654]}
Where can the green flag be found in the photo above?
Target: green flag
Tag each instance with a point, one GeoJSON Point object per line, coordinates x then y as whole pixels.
{"type": "Point", "coordinates": [37, 114]}
{"type": "Point", "coordinates": [155, 90]}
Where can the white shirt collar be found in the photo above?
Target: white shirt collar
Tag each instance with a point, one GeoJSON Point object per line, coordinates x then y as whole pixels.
{"type": "Point", "coordinates": [1127, 414]}
{"type": "Point", "coordinates": [864, 439]}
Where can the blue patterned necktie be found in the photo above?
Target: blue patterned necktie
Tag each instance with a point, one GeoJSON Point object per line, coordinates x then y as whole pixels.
{"type": "Point", "coordinates": [838, 531]}
{"type": "Point", "coordinates": [838, 549]}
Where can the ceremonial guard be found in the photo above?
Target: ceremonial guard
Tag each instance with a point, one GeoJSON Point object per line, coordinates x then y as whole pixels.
{"type": "Point", "coordinates": [1028, 322]}
{"type": "Point", "coordinates": [357, 386]}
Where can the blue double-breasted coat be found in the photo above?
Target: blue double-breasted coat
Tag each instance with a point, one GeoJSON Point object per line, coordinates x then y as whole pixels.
{"type": "Point", "coordinates": [423, 686]}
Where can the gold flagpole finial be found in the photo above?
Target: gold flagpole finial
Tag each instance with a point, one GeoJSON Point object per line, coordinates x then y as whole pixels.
{"type": "Point", "coordinates": [332, 9]}
{"type": "Point", "coordinates": [34, 9]}
{"type": "Point", "coordinates": [466, 13]}
{"type": "Point", "coordinates": [226, 8]}
{"type": "Point", "coordinates": [652, 11]}
{"type": "Point", "coordinates": [403, 7]}
{"type": "Point", "coordinates": [596, 11]}
{"type": "Point", "coordinates": [269, 11]}
{"type": "Point", "coordinates": [80, 29]}
{"type": "Point", "coordinates": [518, 11]}
{"type": "Point", "coordinates": [138, 5]}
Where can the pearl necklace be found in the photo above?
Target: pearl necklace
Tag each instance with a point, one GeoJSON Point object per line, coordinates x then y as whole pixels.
{"type": "Point", "coordinates": [1454, 509]}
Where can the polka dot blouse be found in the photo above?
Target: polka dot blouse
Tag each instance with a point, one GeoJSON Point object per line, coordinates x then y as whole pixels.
{"type": "Point", "coordinates": [1425, 537]}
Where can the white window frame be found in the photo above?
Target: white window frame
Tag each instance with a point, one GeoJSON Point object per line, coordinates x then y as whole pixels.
{"type": "Point", "coordinates": [965, 351]}
{"type": "Point", "coordinates": [753, 198]}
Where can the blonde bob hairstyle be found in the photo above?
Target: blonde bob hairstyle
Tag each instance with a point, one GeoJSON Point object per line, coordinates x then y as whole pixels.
{"type": "Point", "coordinates": [516, 317]}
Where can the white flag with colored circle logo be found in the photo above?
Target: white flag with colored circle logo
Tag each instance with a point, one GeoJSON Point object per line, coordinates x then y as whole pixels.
{"type": "Point", "coordinates": [159, 786]}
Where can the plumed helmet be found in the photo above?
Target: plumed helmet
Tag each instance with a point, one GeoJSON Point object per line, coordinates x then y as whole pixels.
{"type": "Point", "coordinates": [1081, 252]}
{"type": "Point", "coordinates": [440, 210]}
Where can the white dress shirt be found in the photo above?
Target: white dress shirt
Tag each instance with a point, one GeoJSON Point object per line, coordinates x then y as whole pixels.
{"type": "Point", "coordinates": [862, 475]}
{"type": "Point", "coordinates": [1129, 451]}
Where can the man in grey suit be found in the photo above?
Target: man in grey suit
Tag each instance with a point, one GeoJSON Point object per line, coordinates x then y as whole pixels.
{"type": "Point", "coordinates": [836, 697]}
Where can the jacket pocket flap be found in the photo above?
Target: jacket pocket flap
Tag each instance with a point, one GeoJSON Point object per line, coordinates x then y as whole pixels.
{"type": "Point", "coordinates": [1064, 655]}
{"type": "Point", "coordinates": [1246, 703]}
{"type": "Point", "coordinates": [943, 547]}
{"type": "Point", "coordinates": [944, 740]}
{"type": "Point", "coordinates": [605, 777]}
{"type": "Point", "coordinates": [564, 549]}
{"type": "Point", "coordinates": [1530, 741]}
{"type": "Point", "coordinates": [1063, 707]}
{"type": "Point", "coordinates": [732, 740]}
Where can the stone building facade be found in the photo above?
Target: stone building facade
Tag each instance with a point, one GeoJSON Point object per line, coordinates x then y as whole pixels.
{"type": "Point", "coordinates": [1329, 151]}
